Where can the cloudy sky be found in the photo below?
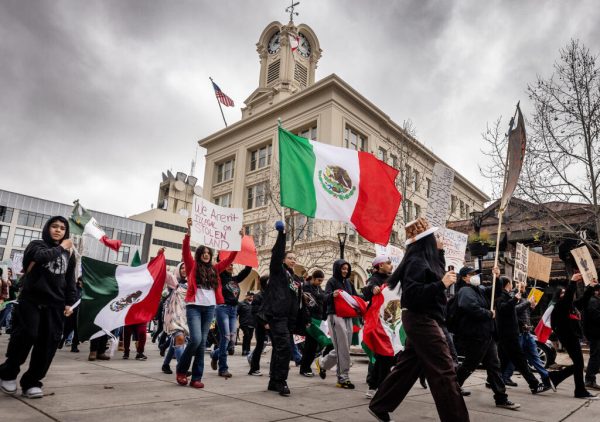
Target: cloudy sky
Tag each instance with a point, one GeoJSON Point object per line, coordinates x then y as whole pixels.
{"type": "Point", "coordinates": [97, 98]}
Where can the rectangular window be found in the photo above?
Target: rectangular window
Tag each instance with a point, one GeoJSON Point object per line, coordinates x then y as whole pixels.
{"type": "Point", "coordinates": [428, 186]}
{"type": "Point", "coordinates": [408, 176]}
{"type": "Point", "coordinates": [24, 236]}
{"type": "Point", "coordinates": [129, 238]}
{"type": "Point", "coordinates": [32, 219]}
{"type": "Point", "coordinates": [310, 133]}
{"type": "Point", "coordinates": [303, 227]}
{"type": "Point", "coordinates": [261, 157]}
{"type": "Point", "coordinates": [169, 226]}
{"type": "Point", "coordinates": [408, 210]}
{"type": "Point", "coordinates": [467, 210]}
{"type": "Point", "coordinates": [110, 232]}
{"type": "Point", "coordinates": [258, 232]}
{"type": "Point", "coordinates": [352, 236]}
{"type": "Point", "coordinates": [417, 211]}
{"type": "Point", "coordinates": [256, 196]}
{"type": "Point", "coordinates": [382, 154]}
{"type": "Point", "coordinates": [6, 214]}
{"type": "Point", "coordinates": [123, 254]}
{"type": "Point", "coordinates": [2, 253]}
{"type": "Point", "coordinates": [354, 140]}
{"type": "Point", "coordinates": [393, 161]}
{"type": "Point", "coordinates": [453, 202]}
{"type": "Point", "coordinates": [225, 170]}
{"type": "Point", "coordinates": [394, 237]}
{"type": "Point", "coordinates": [462, 209]}
{"type": "Point", "coordinates": [223, 200]}
{"type": "Point", "coordinates": [416, 181]}
{"type": "Point", "coordinates": [3, 234]}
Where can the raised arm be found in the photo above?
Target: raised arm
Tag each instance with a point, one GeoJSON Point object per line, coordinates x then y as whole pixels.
{"type": "Point", "coordinates": [278, 251]}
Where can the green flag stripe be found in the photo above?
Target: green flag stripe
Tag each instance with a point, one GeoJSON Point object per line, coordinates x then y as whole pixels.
{"type": "Point", "coordinates": [297, 168]}
{"type": "Point", "coordinates": [99, 288]}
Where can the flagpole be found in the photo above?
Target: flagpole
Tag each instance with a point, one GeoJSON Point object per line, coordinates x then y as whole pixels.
{"type": "Point", "coordinates": [282, 207]}
{"type": "Point", "coordinates": [219, 102]}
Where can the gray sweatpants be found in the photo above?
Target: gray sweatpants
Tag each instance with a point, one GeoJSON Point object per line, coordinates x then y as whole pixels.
{"type": "Point", "coordinates": [341, 336]}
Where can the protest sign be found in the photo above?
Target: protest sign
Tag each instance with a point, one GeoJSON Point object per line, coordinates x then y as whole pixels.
{"type": "Point", "coordinates": [455, 246]}
{"type": "Point", "coordinates": [393, 252]}
{"type": "Point", "coordinates": [17, 263]}
{"type": "Point", "coordinates": [585, 263]}
{"type": "Point", "coordinates": [246, 256]}
{"type": "Point", "coordinates": [536, 294]}
{"type": "Point", "coordinates": [539, 266]}
{"type": "Point", "coordinates": [216, 227]}
{"type": "Point", "coordinates": [440, 190]}
{"type": "Point", "coordinates": [521, 255]}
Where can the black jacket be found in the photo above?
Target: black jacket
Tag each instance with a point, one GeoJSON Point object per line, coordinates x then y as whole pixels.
{"type": "Point", "coordinates": [230, 285]}
{"type": "Point", "coordinates": [524, 315]}
{"type": "Point", "coordinates": [422, 289]}
{"type": "Point", "coordinates": [475, 320]}
{"type": "Point", "coordinates": [51, 281]}
{"type": "Point", "coordinates": [314, 300]}
{"type": "Point", "coordinates": [590, 306]}
{"type": "Point", "coordinates": [376, 279]}
{"type": "Point", "coordinates": [284, 292]}
{"type": "Point", "coordinates": [506, 316]}
{"type": "Point", "coordinates": [337, 282]}
{"type": "Point", "coordinates": [245, 315]}
{"type": "Point", "coordinates": [565, 318]}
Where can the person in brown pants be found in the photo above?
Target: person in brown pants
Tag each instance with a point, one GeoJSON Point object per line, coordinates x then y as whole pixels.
{"type": "Point", "coordinates": [140, 332]}
{"type": "Point", "coordinates": [421, 274]}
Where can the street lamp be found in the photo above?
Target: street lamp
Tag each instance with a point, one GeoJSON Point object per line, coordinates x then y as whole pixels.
{"type": "Point", "coordinates": [342, 239]}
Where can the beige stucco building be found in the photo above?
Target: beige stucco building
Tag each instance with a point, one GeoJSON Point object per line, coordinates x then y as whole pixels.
{"type": "Point", "coordinates": [242, 166]}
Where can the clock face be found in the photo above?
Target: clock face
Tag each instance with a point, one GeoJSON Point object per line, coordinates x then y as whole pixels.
{"type": "Point", "coordinates": [274, 44]}
{"type": "Point", "coordinates": [304, 46]}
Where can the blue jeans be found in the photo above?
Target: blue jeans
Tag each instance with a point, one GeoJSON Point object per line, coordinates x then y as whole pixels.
{"type": "Point", "coordinates": [296, 355]}
{"type": "Point", "coordinates": [173, 350]}
{"type": "Point", "coordinates": [529, 347]}
{"type": "Point", "coordinates": [198, 319]}
{"type": "Point", "coordinates": [227, 325]}
{"type": "Point", "coordinates": [5, 316]}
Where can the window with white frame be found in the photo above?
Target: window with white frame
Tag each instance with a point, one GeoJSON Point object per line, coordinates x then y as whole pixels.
{"type": "Point", "coordinates": [382, 154]}
{"type": "Point", "coordinates": [393, 161]}
{"type": "Point", "coordinates": [309, 133]}
{"type": "Point", "coordinates": [3, 234]}
{"type": "Point", "coordinates": [261, 157]}
{"type": "Point", "coordinates": [32, 219]}
{"type": "Point", "coordinates": [256, 195]}
{"type": "Point", "coordinates": [24, 236]}
{"type": "Point", "coordinates": [123, 254]}
{"type": "Point", "coordinates": [258, 231]}
{"type": "Point", "coordinates": [428, 186]}
{"type": "Point", "coordinates": [354, 140]}
{"type": "Point", "coordinates": [417, 211]}
{"type": "Point", "coordinates": [225, 170]}
{"type": "Point", "coordinates": [223, 200]}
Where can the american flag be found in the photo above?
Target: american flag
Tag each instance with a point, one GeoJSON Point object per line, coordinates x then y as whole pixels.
{"type": "Point", "coordinates": [223, 99]}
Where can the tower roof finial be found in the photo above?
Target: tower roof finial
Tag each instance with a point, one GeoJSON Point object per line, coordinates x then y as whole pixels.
{"type": "Point", "coordinates": [290, 10]}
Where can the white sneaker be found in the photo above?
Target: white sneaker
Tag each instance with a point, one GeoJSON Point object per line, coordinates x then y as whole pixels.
{"type": "Point", "coordinates": [33, 393]}
{"type": "Point", "coordinates": [370, 393]}
{"type": "Point", "coordinates": [8, 386]}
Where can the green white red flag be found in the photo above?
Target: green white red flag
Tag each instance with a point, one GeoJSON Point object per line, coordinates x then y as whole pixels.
{"type": "Point", "coordinates": [340, 184]}
{"type": "Point", "coordinates": [319, 330]}
{"type": "Point", "coordinates": [118, 295]}
{"type": "Point", "coordinates": [383, 333]}
{"type": "Point", "coordinates": [81, 222]}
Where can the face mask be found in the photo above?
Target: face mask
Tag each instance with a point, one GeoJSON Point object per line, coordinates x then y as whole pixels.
{"type": "Point", "coordinates": [475, 280]}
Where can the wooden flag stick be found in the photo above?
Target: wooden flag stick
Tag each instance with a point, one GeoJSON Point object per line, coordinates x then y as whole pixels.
{"type": "Point", "coordinates": [500, 214]}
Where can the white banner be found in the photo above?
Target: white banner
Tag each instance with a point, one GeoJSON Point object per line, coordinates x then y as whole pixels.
{"type": "Point", "coordinates": [455, 246]}
{"type": "Point", "coordinates": [216, 227]}
{"type": "Point", "coordinates": [393, 252]}
{"type": "Point", "coordinates": [521, 258]}
{"type": "Point", "coordinates": [438, 205]}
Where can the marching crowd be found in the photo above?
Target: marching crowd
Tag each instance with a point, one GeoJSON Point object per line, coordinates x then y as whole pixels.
{"type": "Point", "coordinates": [451, 324]}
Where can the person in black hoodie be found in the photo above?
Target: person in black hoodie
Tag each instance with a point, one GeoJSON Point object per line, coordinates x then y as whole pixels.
{"type": "Point", "coordinates": [226, 316]}
{"type": "Point", "coordinates": [261, 328]}
{"type": "Point", "coordinates": [47, 295]}
{"type": "Point", "coordinates": [340, 327]}
{"type": "Point", "coordinates": [282, 302]}
{"type": "Point", "coordinates": [590, 306]}
{"type": "Point", "coordinates": [423, 302]}
{"type": "Point", "coordinates": [314, 298]}
{"type": "Point", "coordinates": [247, 322]}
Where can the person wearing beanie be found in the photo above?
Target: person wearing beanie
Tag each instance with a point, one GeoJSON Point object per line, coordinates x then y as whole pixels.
{"type": "Point", "coordinates": [423, 300]}
{"type": "Point", "coordinates": [46, 297]}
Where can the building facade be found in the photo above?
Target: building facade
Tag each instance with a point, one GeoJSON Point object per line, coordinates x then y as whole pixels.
{"type": "Point", "coordinates": [241, 161]}
{"type": "Point", "coordinates": [22, 218]}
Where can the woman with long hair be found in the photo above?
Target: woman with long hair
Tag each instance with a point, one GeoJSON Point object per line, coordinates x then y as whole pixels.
{"type": "Point", "coordinates": [423, 302]}
{"type": "Point", "coordinates": [203, 294]}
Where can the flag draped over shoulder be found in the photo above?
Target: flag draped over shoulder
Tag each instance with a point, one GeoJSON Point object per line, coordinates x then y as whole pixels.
{"type": "Point", "coordinates": [383, 333]}
{"type": "Point", "coordinates": [339, 184]}
{"type": "Point", "coordinates": [517, 140]}
{"type": "Point", "coordinates": [348, 306]}
{"type": "Point", "coordinates": [81, 222]}
{"type": "Point", "coordinates": [118, 295]}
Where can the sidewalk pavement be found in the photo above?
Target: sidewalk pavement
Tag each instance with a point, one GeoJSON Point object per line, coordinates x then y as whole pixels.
{"type": "Point", "coordinates": [130, 390]}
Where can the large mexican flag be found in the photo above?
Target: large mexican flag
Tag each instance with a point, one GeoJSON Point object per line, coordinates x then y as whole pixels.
{"type": "Point", "coordinates": [118, 295]}
{"type": "Point", "coordinates": [383, 333]}
{"type": "Point", "coordinates": [339, 184]}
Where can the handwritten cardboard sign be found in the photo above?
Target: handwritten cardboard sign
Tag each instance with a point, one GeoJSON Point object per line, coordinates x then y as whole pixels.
{"type": "Point", "coordinates": [393, 252]}
{"type": "Point", "coordinates": [521, 259]}
{"type": "Point", "coordinates": [455, 246]}
{"type": "Point", "coordinates": [539, 266]}
{"type": "Point", "coordinates": [438, 205]}
{"type": "Point", "coordinates": [17, 263]}
{"type": "Point", "coordinates": [216, 227]}
{"type": "Point", "coordinates": [585, 263]}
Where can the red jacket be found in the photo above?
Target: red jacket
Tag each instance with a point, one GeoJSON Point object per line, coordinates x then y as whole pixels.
{"type": "Point", "coordinates": [190, 270]}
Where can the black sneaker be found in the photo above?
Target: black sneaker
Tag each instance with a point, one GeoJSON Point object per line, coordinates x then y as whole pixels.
{"type": "Point", "coordinates": [284, 390]}
{"type": "Point", "coordinates": [510, 383]}
{"type": "Point", "coordinates": [540, 388]}
{"type": "Point", "coordinates": [381, 417]}
{"type": "Point", "coordinates": [141, 356]}
{"type": "Point", "coordinates": [508, 405]}
{"type": "Point", "coordinates": [126, 355]}
{"type": "Point", "coordinates": [309, 374]}
{"type": "Point", "coordinates": [347, 385]}
{"type": "Point", "coordinates": [587, 395]}
{"type": "Point", "coordinates": [256, 373]}
{"type": "Point", "coordinates": [167, 369]}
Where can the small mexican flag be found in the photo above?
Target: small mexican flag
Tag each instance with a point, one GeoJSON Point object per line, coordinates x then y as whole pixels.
{"type": "Point", "coordinates": [544, 328]}
{"type": "Point", "coordinates": [81, 222]}
{"type": "Point", "coordinates": [319, 330]}
{"type": "Point", "coordinates": [339, 184]}
{"type": "Point", "coordinates": [383, 333]}
{"type": "Point", "coordinates": [118, 295]}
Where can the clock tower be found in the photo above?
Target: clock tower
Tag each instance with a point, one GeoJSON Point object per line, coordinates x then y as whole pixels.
{"type": "Point", "coordinates": [288, 60]}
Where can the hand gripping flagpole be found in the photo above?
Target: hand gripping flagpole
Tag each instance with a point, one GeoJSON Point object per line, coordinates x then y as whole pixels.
{"type": "Point", "coordinates": [500, 215]}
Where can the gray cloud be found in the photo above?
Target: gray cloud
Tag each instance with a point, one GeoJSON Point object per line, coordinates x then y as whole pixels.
{"type": "Point", "coordinates": [99, 97]}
